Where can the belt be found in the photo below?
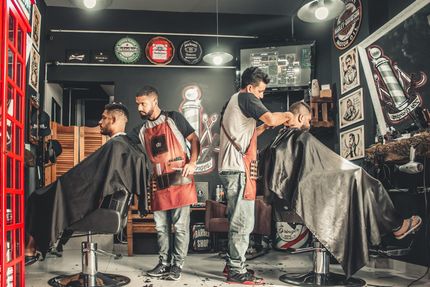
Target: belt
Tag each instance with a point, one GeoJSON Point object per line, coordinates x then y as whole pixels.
{"type": "Point", "coordinates": [173, 178]}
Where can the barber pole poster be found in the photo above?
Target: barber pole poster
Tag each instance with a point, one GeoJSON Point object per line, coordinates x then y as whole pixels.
{"type": "Point", "coordinates": [204, 124]}
{"type": "Point", "coordinates": [396, 65]}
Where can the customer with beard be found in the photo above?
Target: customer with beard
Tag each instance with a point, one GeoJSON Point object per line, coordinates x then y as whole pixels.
{"type": "Point", "coordinates": [118, 164]}
{"type": "Point", "coordinates": [342, 206]}
{"type": "Point", "coordinates": [163, 136]}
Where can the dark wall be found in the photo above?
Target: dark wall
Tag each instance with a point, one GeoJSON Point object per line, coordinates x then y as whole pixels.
{"type": "Point", "coordinates": [217, 85]}
{"type": "Point", "coordinates": [376, 14]}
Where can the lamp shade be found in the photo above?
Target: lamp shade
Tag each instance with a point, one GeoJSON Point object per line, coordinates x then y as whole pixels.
{"type": "Point", "coordinates": [217, 58]}
{"type": "Point", "coordinates": [320, 10]}
{"type": "Point", "coordinates": [92, 4]}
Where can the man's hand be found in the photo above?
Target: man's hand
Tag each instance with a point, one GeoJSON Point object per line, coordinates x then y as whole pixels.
{"type": "Point", "coordinates": [189, 169]}
{"type": "Point", "coordinates": [291, 120]}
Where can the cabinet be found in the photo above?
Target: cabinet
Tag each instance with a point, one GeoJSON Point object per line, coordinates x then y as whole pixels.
{"type": "Point", "coordinates": [14, 27]}
{"type": "Point", "coordinates": [322, 112]}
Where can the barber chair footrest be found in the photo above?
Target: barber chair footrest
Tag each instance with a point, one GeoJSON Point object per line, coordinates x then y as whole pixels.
{"type": "Point", "coordinates": [314, 279]}
{"type": "Point", "coordinates": [84, 280]}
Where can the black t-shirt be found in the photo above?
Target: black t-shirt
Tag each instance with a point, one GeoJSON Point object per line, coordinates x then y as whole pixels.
{"type": "Point", "coordinates": [251, 106]}
{"type": "Point", "coordinates": [182, 124]}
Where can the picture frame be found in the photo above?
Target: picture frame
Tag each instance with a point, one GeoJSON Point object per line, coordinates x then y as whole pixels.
{"type": "Point", "coordinates": [33, 120]}
{"type": "Point", "coordinates": [34, 69]}
{"type": "Point", "coordinates": [349, 70]}
{"type": "Point", "coordinates": [202, 190]}
{"type": "Point", "coordinates": [352, 143]}
{"type": "Point", "coordinates": [396, 54]}
{"type": "Point", "coordinates": [351, 109]}
{"type": "Point", "coordinates": [36, 24]}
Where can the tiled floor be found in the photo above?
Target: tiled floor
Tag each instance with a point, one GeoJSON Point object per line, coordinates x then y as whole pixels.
{"type": "Point", "coordinates": [205, 270]}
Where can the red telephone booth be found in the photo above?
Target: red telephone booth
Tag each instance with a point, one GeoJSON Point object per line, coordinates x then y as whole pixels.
{"type": "Point", "coordinates": [14, 26]}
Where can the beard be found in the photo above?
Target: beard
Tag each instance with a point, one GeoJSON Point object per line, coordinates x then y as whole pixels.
{"type": "Point", "coordinates": [147, 115]}
{"type": "Point", "coordinates": [104, 131]}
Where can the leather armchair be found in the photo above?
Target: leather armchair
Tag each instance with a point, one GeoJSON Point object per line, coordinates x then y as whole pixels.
{"type": "Point", "coordinates": [216, 220]}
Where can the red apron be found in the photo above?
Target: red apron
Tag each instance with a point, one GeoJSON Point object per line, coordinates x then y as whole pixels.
{"type": "Point", "coordinates": [168, 158]}
{"type": "Point", "coordinates": [250, 162]}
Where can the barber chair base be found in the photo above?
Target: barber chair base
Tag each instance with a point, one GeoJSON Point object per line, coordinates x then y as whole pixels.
{"type": "Point", "coordinates": [315, 279]}
{"type": "Point", "coordinates": [84, 280]}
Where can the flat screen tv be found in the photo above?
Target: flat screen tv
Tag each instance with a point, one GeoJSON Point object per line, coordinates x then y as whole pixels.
{"type": "Point", "coordinates": [288, 66]}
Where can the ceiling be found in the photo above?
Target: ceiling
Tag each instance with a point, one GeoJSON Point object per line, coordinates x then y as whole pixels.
{"type": "Point", "coordinates": [257, 7]}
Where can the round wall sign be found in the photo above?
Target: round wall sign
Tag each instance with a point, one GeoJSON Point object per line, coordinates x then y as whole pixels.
{"type": "Point", "coordinates": [159, 50]}
{"type": "Point", "coordinates": [190, 52]}
{"type": "Point", "coordinates": [347, 25]}
{"type": "Point", "coordinates": [127, 50]}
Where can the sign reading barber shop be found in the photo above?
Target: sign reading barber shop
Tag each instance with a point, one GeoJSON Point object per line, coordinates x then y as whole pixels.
{"type": "Point", "coordinates": [190, 52]}
{"type": "Point", "coordinates": [347, 25]}
{"type": "Point", "coordinates": [127, 50]}
{"type": "Point", "coordinates": [159, 51]}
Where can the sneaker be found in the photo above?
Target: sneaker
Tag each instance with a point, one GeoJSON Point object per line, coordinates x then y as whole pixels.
{"type": "Point", "coordinates": [159, 270]}
{"type": "Point", "coordinates": [175, 273]}
{"type": "Point", "coordinates": [227, 269]}
{"type": "Point", "coordinates": [244, 278]}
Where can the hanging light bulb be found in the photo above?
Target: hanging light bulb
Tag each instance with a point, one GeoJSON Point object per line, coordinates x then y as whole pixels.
{"type": "Point", "coordinates": [321, 13]}
{"type": "Point", "coordinates": [315, 11]}
{"type": "Point", "coordinates": [90, 4]}
{"type": "Point", "coordinates": [217, 58]}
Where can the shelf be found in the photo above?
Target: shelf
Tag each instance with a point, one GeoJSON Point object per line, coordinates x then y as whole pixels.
{"type": "Point", "coordinates": [321, 100]}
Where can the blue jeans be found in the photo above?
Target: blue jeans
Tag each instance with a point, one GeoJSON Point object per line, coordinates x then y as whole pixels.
{"type": "Point", "coordinates": [240, 214]}
{"type": "Point", "coordinates": [180, 219]}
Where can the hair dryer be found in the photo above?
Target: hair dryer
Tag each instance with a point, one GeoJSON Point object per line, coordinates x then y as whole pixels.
{"type": "Point", "coordinates": [412, 167]}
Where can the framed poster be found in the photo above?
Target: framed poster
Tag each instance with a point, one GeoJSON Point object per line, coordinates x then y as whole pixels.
{"type": "Point", "coordinates": [352, 143]}
{"type": "Point", "coordinates": [396, 65]}
{"type": "Point", "coordinates": [34, 69]}
{"type": "Point", "coordinates": [202, 189]}
{"type": "Point", "coordinates": [349, 71]}
{"type": "Point", "coordinates": [36, 20]}
{"type": "Point", "coordinates": [351, 109]}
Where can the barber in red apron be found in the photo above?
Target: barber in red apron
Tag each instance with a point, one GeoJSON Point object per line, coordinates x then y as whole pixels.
{"type": "Point", "coordinates": [164, 136]}
{"type": "Point", "coordinates": [237, 166]}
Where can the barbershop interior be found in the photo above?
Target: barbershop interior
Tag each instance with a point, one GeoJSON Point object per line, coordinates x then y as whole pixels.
{"type": "Point", "coordinates": [214, 143]}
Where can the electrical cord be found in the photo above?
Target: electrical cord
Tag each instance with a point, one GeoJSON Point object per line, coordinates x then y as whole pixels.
{"type": "Point", "coordinates": [426, 238]}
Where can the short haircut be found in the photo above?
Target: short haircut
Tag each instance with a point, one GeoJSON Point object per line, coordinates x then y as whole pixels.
{"type": "Point", "coordinates": [253, 76]}
{"type": "Point", "coordinates": [297, 107]}
{"type": "Point", "coordinates": [147, 90]}
{"type": "Point", "coordinates": [117, 107]}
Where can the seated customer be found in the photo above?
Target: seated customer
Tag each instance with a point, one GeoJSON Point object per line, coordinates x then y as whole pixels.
{"type": "Point", "coordinates": [117, 164]}
{"type": "Point", "coordinates": [338, 201]}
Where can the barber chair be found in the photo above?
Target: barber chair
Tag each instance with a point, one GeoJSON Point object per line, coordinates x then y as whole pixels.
{"type": "Point", "coordinates": [216, 220]}
{"type": "Point", "coordinates": [320, 275]}
{"type": "Point", "coordinates": [104, 220]}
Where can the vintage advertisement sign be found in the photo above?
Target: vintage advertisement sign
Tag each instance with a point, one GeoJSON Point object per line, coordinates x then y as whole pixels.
{"type": "Point", "coordinates": [347, 25]}
{"type": "Point", "coordinates": [160, 51]}
{"type": "Point", "coordinates": [127, 50]}
{"type": "Point", "coordinates": [190, 52]}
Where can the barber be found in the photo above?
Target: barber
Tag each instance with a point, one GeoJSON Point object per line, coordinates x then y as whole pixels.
{"type": "Point", "coordinates": [164, 137]}
{"type": "Point", "coordinates": [237, 165]}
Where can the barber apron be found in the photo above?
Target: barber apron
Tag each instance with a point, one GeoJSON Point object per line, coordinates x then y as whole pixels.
{"type": "Point", "coordinates": [250, 163]}
{"type": "Point", "coordinates": [169, 189]}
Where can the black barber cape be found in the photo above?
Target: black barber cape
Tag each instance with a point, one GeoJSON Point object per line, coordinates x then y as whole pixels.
{"type": "Point", "coordinates": [52, 209]}
{"type": "Point", "coordinates": [338, 201]}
